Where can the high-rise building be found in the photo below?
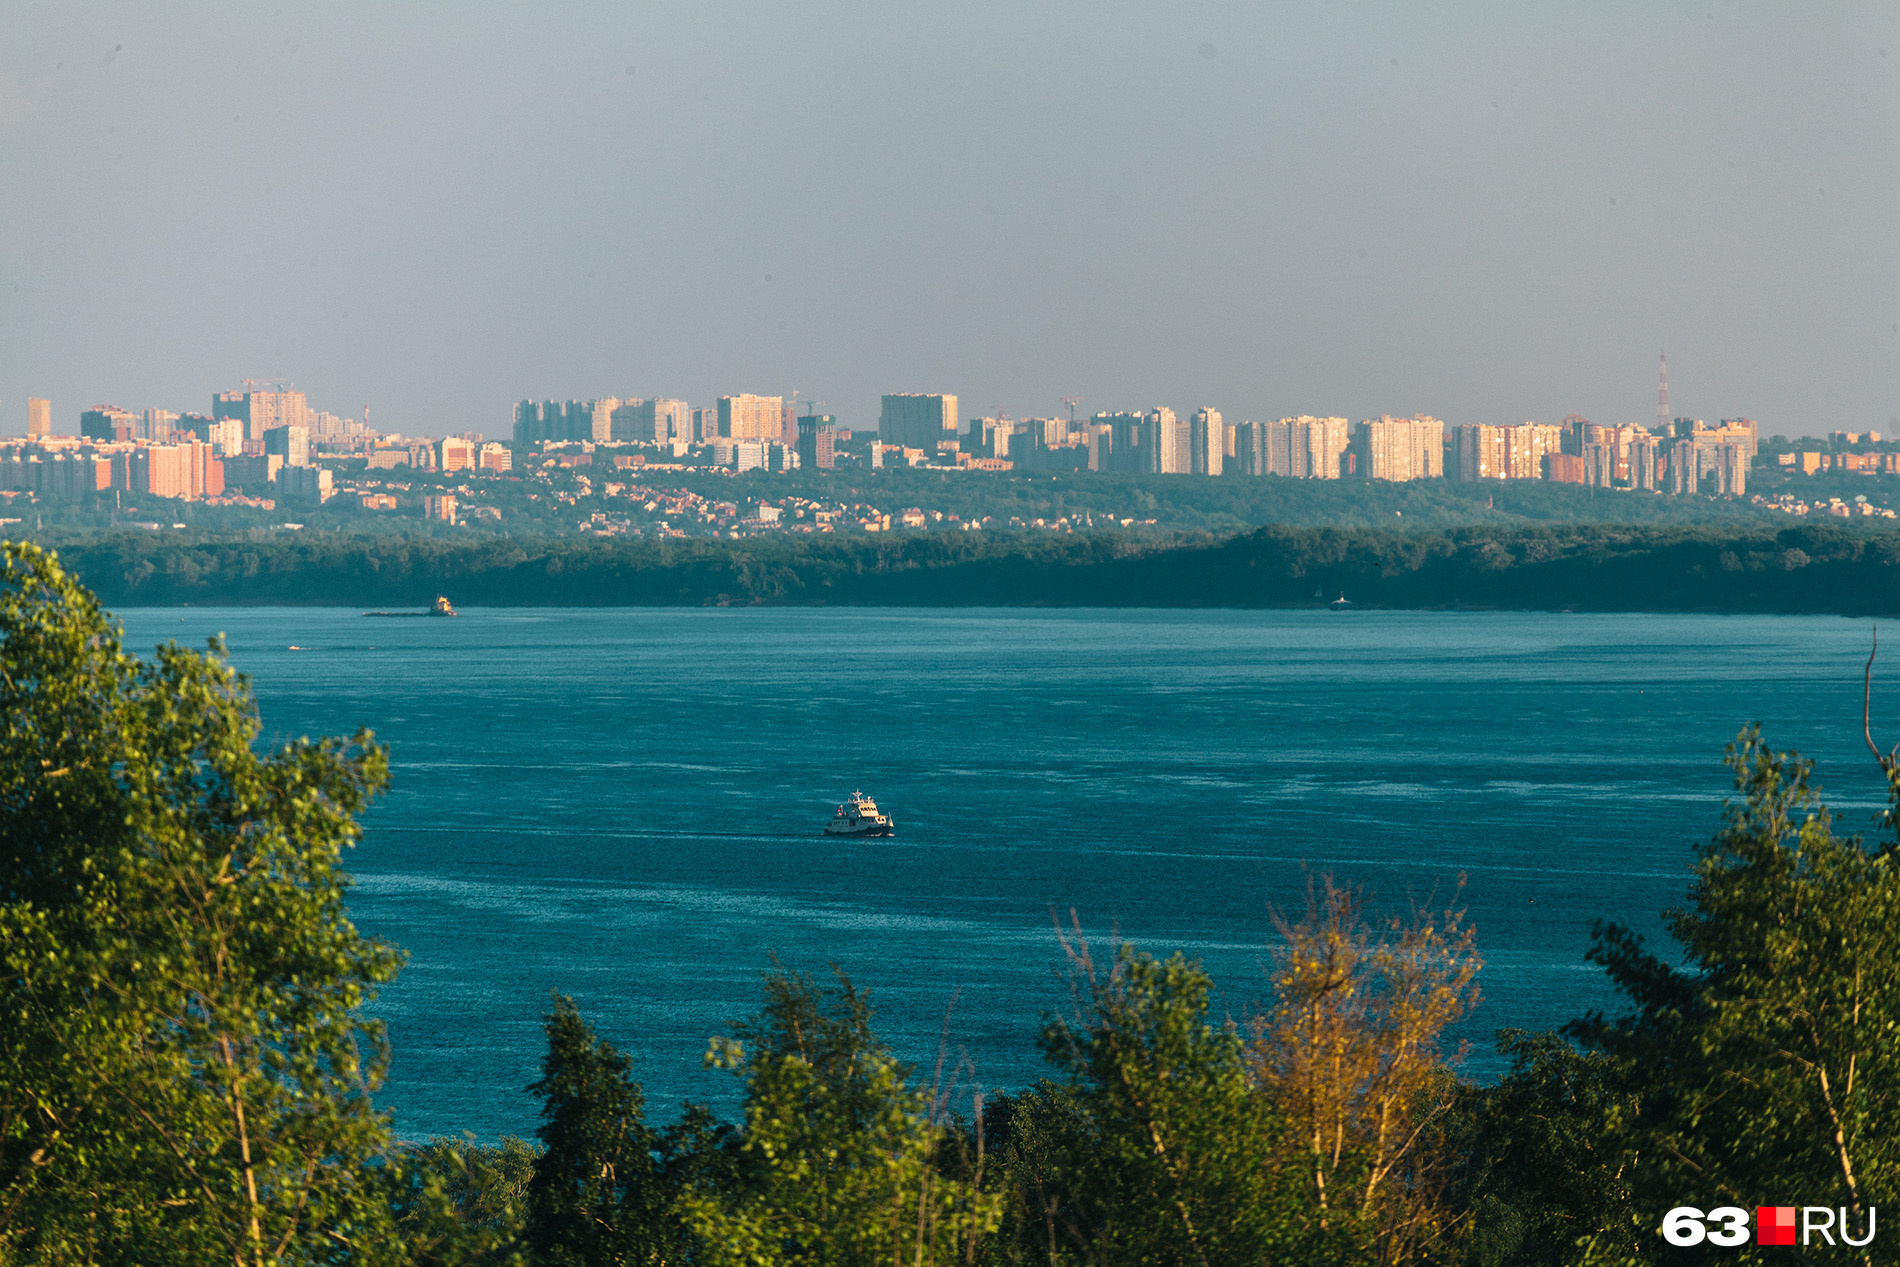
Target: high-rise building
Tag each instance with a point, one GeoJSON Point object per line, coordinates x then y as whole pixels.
{"type": "Point", "coordinates": [817, 436]}
{"type": "Point", "coordinates": [235, 406]}
{"type": "Point", "coordinates": [224, 435]}
{"type": "Point", "coordinates": [1303, 448]}
{"type": "Point", "coordinates": [39, 418]}
{"type": "Point", "coordinates": [1744, 430]}
{"type": "Point", "coordinates": [1282, 449]}
{"type": "Point", "coordinates": [746, 417]}
{"type": "Point", "coordinates": [61, 477]}
{"type": "Point", "coordinates": [1726, 471]}
{"type": "Point", "coordinates": [292, 443]}
{"type": "Point", "coordinates": [157, 425]}
{"type": "Point", "coordinates": [1599, 464]}
{"type": "Point", "coordinates": [916, 421]}
{"type": "Point", "coordinates": [1207, 442]}
{"type": "Point", "coordinates": [527, 428]}
{"type": "Point", "coordinates": [672, 419]}
{"type": "Point", "coordinates": [993, 438]}
{"type": "Point", "coordinates": [1249, 448]}
{"type": "Point", "coordinates": [310, 485]}
{"type": "Point", "coordinates": [162, 470]}
{"type": "Point", "coordinates": [1528, 444]}
{"type": "Point", "coordinates": [204, 470]}
{"type": "Point", "coordinates": [600, 420]}
{"type": "Point", "coordinates": [1116, 440]}
{"type": "Point", "coordinates": [452, 454]}
{"type": "Point", "coordinates": [261, 411]}
{"type": "Point", "coordinates": [1681, 475]}
{"type": "Point", "coordinates": [1642, 461]}
{"type": "Point", "coordinates": [656, 421]}
{"type": "Point", "coordinates": [1401, 448]}
{"type": "Point", "coordinates": [494, 457]}
{"type": "Point", "coordinates": [108, 422]}
{"type": "Point", "coordinates": [1479, 452]}
{"type": "Point", "coordinates": [1163, 442]}
{"type": "Point", "coordinates": [555, 421]}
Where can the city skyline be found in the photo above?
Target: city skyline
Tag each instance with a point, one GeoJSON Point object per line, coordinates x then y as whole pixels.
{"type": "Point", "coordinates": [1467, 211]}
{"type": "Point", "coordinates": [627, 418]}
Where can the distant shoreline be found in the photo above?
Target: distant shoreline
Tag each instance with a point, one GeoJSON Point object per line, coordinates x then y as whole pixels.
{"type": "Point", "coordinates": [1804, 568]}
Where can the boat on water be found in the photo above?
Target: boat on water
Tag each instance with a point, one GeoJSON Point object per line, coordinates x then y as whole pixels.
{"type": "Point", "coordinates": [859, 816]}
{"type": "Point", "coordinates": [441, 607]}
{"type": "Point", "coordinates": [1340, 604]}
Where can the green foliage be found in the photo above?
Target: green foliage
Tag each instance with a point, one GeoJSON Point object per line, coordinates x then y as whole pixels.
{"type": "Point", "coordinates": [1156, 1148]}
{"type": "Point", "coordinates": [838, 1159]}
{"type": "Point", "coordinates": [1545, 1167]}
{"type": "Point", "coordinates": [597, 1196]}
{"type": "Point", "coordinates": [184, 1076]}
{"type": "Point", "coordinates": [459, 1204]}
{"type": "Point", "coordinates": [1831, 567]}
{"type": "Point", "coordinates": [1770, 1063]}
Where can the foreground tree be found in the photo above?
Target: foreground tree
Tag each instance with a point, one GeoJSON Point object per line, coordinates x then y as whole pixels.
{"type": "Point", "coordinates": [1350, 1053]}
{"type": "Point", "coordinates": [184, 1073]}
{"type": "Point", "coordinates": [839, 1158]}
{"type": "Point", "coordinates": [1155, 1148]}
{"type": "Point", "coordinates": [1768, 1066]}
{"type": "Point", "coordinates": [460, 1204]}
{"type": "Point", "coordinates": [598, 1197]}
{"type": "Point", "coordinates": [1545, 1167]}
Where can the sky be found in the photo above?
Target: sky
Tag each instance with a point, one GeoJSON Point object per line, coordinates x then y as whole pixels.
{"type": "Point", "coordinates": [1482, 212]}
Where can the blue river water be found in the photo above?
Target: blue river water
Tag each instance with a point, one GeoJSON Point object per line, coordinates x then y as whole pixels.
{"type": "Point", "coordinates": [625, 805]}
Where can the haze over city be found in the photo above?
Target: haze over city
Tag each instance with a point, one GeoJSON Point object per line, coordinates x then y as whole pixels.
{"type": "Point", "coordinates": [1482, 213]}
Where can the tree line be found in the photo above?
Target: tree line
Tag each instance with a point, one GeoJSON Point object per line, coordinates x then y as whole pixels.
{"type": "Point", "coordinates": [187, 1075]}
{"type": "Point", "coordinates": [1806, 567]}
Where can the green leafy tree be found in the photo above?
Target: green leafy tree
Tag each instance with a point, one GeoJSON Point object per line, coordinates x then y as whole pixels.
{"type": "Point", "coordinates": [185, 1075]}
{"type": "Point", "coordinates": [598, 1196]}
{"type": "Point", "coordinates": [839, 1160]}
{"type": "Point", "coordinates": [1544, 1166]}
{"type": "Point", "coordinates": [1769, 1064]}
{"type": "Point", "coordinates": [1156, 1148]}
{"type": "Point", "coordinates": [459, 1204]}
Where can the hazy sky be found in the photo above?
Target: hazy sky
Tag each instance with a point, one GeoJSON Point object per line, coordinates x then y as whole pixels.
{"type": "Point", "coordinates": [1483, 212]}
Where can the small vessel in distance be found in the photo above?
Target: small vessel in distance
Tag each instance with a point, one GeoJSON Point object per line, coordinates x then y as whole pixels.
{"type": "Point", "coordinates": [859, 817]}
{"type": "Point", "coordinates": [439, 608]}
{"type": "Point", "coordinates": [1341, 603]}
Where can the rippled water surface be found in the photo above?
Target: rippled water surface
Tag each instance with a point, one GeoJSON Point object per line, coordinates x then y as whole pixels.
{"type": "Point", "coordinates": [625, 805]}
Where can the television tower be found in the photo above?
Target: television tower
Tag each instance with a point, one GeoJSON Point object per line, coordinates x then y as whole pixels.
{"type": "Point", "coordinates": [1662, 398]}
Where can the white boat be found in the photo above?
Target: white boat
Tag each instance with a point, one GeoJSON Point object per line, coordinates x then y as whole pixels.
{"type": "Point", "coordinates": [859, 817]}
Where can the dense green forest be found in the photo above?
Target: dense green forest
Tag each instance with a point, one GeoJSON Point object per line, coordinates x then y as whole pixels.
{"type": "Point", "coordinates": [187, 1075]}
{"type": "Point", "coordinates": [1829, 566]}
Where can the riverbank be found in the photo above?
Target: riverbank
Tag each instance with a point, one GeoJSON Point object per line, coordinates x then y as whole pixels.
{"type": "Point", "coordinates": [1840, 568]}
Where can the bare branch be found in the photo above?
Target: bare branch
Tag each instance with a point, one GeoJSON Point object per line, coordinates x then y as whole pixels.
{"type": "Point", "coordinates": [1867, 703]}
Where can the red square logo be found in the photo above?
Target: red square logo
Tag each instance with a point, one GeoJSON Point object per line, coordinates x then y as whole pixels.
{"type": "Point", "coordinates": [1774, 1224]}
